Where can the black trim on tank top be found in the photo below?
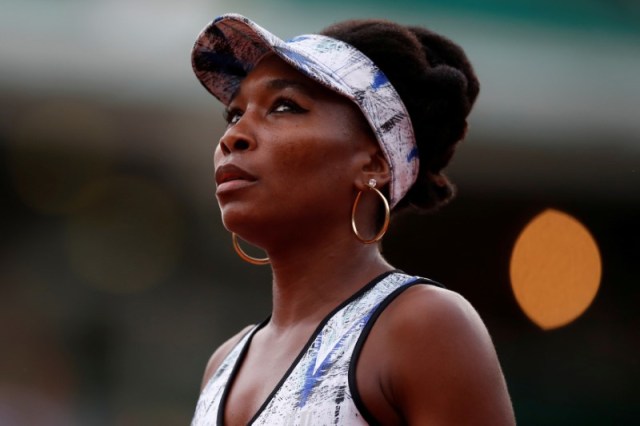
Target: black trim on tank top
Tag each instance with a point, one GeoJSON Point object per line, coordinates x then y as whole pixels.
{"type": "Point", "coordinates": [355, 356]}
{"type": "Point", "coordinates": [235, 368]}
{"type": "Point", "coordinates": [305, 348]}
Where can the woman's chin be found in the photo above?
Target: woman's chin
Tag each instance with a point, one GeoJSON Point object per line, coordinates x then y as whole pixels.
{"type": "Point", "coordinates": [241, 220]}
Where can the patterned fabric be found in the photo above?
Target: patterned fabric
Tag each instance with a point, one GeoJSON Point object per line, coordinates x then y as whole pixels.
{"type": "Point", "coordinates": [316, 391]}
{"type": "Point", "coordinates": [230, 46]}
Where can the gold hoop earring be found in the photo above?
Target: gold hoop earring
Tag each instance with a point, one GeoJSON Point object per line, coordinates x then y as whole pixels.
{"type": "Point", "coordinates": [387, 214]}
{"type": "Point", "coordinates": [244, 256]}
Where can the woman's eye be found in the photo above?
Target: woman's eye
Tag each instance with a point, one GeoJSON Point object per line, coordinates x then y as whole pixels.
{"type": "Point", "coordinates": [287, 105]}
{"type": "Point", "coordinates": [232, 116]}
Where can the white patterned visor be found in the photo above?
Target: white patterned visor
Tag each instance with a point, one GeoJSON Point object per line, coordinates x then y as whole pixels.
{"type": "Point", "coordinates": [231, 45]}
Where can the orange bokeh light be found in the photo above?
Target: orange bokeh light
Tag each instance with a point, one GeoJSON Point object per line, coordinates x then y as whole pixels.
{"type": "Point", "coordinates": [555, 269]}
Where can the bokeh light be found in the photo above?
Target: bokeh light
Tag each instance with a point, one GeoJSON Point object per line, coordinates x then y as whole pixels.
{"type": "Point", "coordinates": [126, 236]}
{"type": "Point", "coordinates": [555, 269]}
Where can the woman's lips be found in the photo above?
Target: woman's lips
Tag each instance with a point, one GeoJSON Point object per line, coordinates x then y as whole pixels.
{"type": "Point", "coordinates": [230, 177]}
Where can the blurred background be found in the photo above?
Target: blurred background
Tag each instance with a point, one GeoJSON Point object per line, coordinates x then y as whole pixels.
{"type": "Point", "coordinates": [117, 279]}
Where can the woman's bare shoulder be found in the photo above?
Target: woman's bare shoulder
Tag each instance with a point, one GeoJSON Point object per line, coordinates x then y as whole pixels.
{"type": "Point", "coordinates": [435, 310]}
{"type": "Point", "coordinates": [221, 353]}
{"type": "Point", "coordinates": [443, 360]}
{"type": "Point", "coordinates": [437, 322]}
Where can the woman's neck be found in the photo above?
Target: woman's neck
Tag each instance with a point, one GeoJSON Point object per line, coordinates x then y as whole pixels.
{"type": "Point", "coordinates": [310, 280]}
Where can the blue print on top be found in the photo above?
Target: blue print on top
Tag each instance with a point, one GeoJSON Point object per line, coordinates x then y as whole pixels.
{"type": "Point", "coordinates": [311, 379]}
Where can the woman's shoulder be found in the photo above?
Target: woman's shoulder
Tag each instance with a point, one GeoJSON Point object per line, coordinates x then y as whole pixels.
{"type": "Point", "coordinates": [221, 353]}
{"type": "Point", "coordinates": [430, 308]}
{"type": "Point", "coordinates": [442, 359]}
{"type": "Point", "coordinates": [442, 317]}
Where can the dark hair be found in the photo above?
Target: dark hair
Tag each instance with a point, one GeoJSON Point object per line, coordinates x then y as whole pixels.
{"type": "Point", "coordinates": [437, 85]}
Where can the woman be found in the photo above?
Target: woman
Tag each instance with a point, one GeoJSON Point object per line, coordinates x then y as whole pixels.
{"type": "Point", "coordinates": [322, 131]}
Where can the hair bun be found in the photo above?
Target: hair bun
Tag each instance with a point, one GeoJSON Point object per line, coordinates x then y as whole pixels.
{"type": "Point", "coordinates": [445, 82]}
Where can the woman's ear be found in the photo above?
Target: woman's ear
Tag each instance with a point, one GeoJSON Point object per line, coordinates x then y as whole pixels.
{"type": "Point", "coordinates": [375, 168]}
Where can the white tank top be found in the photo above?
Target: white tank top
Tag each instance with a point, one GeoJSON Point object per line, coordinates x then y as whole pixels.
{"type": "Point", "coordinates": [319, 388]}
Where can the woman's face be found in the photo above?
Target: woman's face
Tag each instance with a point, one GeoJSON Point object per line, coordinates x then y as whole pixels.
{"type": "Point", "coordinates": [291, 154]}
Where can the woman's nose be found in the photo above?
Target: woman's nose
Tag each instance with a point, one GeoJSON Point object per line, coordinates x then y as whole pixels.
{"type": "Point", "coordinates": [228, 146]}
{"type": "Point", "coordinates": [236, 139]}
